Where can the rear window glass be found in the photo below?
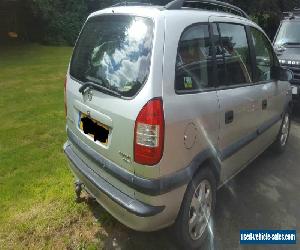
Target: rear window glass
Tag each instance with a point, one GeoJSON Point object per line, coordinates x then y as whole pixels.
{"type": "Point", "coordinates": [114, 51]}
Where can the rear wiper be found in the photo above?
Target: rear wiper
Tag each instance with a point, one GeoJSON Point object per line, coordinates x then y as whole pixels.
{"type": "Point", "coordinates": [97, 87]}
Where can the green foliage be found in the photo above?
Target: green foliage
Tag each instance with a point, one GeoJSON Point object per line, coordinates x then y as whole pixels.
{"type": "Point", "coordinates": [60, 21]}
{"type": "Point", "coordinates": [267, 13]}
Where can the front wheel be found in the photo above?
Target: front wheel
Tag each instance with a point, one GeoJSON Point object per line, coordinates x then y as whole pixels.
{"type": "Point", "coordinates": [192, 224]}
{"type": "Point", "coordinates": [283, 135]}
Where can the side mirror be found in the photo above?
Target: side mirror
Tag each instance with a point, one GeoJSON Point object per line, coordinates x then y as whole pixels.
{"type": "Point", "coordinates": [282, 74]}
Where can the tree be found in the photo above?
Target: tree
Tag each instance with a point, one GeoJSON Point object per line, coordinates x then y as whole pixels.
{"type": "Point", "coordinates": [59, 21]}
{"type": "Point", "coordinates": [267, 13]}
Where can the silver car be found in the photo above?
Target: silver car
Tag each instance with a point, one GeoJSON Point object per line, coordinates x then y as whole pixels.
{"type": "Point", "coordinates": [166, 104]}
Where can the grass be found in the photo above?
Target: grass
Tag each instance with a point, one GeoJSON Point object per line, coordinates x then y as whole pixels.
{"type": "Point", "coordinates": [36, 187]}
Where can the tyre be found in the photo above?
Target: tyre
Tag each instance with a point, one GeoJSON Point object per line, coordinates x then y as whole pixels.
{"type": "Point", "coordinates": [283, 135]}
{"type": "Point", "coordinates": [192, 224]}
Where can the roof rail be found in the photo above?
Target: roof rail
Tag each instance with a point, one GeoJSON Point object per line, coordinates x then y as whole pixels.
{"type": "Point", "coordinates": [125, 3]}
{"type": "Point", "coordinates": [208, 5]}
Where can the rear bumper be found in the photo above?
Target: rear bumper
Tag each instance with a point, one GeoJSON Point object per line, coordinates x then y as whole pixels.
{"type": "Point", "coordinates": [156, 202]}
{"type": "Point", "coordinates": [152, 187]}
{"type": "Point", "coordinates": [98, 186]}
{"type": "Point", "coordinates": [129, 211]}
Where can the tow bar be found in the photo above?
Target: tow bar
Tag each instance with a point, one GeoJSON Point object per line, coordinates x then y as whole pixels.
{"type": "Point", "coordinates": [78, 190]}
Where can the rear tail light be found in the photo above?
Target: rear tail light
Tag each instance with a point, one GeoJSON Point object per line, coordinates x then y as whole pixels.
{"type": "Point", "coordinates": [65, 95]}
{"type": "Point", "coordinates": [149, 133]}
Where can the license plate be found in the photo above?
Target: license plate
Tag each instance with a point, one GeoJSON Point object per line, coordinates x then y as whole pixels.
{"type": "Point", "coordinates": [294, 90]}
{"type": "Point", "coordinates": [92, 128]}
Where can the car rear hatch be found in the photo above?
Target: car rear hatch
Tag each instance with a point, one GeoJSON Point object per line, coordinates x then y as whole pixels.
{"type": "Point", "coordinates": [109, 67]}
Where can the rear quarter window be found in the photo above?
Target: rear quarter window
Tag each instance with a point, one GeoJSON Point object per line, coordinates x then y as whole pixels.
{"type": "Point", "coordinates": [194, 62]}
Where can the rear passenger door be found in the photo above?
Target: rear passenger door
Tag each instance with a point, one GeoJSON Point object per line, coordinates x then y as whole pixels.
{"type": "Point", "coordinates": [238, 97]}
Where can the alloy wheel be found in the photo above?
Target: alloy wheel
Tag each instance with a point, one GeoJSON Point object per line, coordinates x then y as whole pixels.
{"type": "Point", "coordinates": [200, 209]}
{"type": "Point", "coordinates": [285, 130]}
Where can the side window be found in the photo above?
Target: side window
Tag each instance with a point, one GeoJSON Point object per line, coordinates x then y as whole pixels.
{"type": "Point", "coordinates": [236, 54]}
{"type": "Point", "coordinates": [264, 55]}
{"type": "Point", "coordinates": [194, 60]}
{"type": "Point", "coordinates": [220, 62]}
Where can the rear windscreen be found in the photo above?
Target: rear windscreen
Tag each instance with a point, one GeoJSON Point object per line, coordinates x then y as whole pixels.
{"type": "Point", "coordinates": [114, 51]}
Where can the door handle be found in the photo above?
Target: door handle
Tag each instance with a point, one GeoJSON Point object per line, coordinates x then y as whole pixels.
{"type": "Point", "coordinates": [229, 117]}
{"type": "Point", "coordinates": [264, 104]}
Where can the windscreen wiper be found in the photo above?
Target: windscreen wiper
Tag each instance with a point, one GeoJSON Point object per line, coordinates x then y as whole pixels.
{"type": "Point", "coordinates": [97, 87]}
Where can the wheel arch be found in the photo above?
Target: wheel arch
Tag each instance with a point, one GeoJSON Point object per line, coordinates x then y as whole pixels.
{"type": "Point", "coordinates": [206, 159]}
{"type": "Point", "coordinates": [212, 163]}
